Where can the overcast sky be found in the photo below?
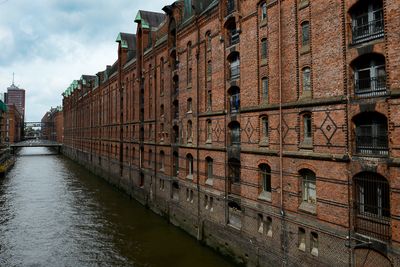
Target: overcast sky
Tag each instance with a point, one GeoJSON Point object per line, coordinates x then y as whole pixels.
{"type": "Point", "coordinates": [49, 43]}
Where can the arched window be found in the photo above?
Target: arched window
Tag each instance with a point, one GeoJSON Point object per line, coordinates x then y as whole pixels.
{"type": "Point", "coordinates": [175, 164]}
{"type": "Point", "coordinates": [162, 110]}
{"type": "Point", "coordinates": [209, 100]}
{"type": "Point", "coordinates": [234, 61]}
{"type": "Point", "coordinates": [263, 10]}
{"type": "Point", "coordinates": [306, 76]}
{"type": "Point", "coordinates": [370, 75]}
{"type": "Point", "coordinates": [309, 191]}
{"type": "Point", "coordinates": [265, 179]}
{"type": "Point", "coordinates": [189, 105]}
{"type": "Point", "coordinates": [234, 128]}
{"type": "Point", "coordinates": [264, 129]}
{"type": "Point", "coordinates": [307, 128]}
{"type": "Point", "coordinates": [234, 97]}
{"type": "Point", "coordinates": [189, 51]}
{"type": "Point", "coordinates": [209, 131]}
{"type": "Point", "coordinates": [367, 20]}
{"type": "Point", "coordinates": [189, 165]}
{"type": "Point", "coordinates": [371, 134]}
{"type": "Point", "coordinates": [209, 69]}
{"type": "Point", "coordinates": [189, 131]}
{"type": "Point", "coordinates": [264, 91]}
{"type": "Point", "coordinates": [175, 139]}
{"type": "Point", "coordinates": [208, 41]}
{"type": "Point", "coordinates": [162, 161]}
{"type": "Point", "coordinates": [372, 196]}
{"type": "Point", "coordinates": [305, 33]}
{"type": "Point", "coordinates": [234, 170]}
{"type": "Point", "coordinates": [209, 170]}
{"type": "Point", "coordinates": [264, 49]}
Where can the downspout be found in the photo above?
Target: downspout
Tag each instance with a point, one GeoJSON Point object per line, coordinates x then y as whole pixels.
{"type": "Point", "coordinates": [200, 221]}
{"type": "Point", "coordinates": [284, 263]}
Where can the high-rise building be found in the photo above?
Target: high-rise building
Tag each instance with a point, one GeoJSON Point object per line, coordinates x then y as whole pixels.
{"type": "Point", "coordinates": [16, 96]}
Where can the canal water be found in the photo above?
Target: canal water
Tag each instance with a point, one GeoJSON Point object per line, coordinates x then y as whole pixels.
{"type": "Point", "coordinates": [53, 212]}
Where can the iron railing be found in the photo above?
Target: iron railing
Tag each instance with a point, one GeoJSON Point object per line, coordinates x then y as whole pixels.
{"type": "Point", "coordinates": [368, 87]}
{"type": "Point", "coordinates": [234, 37]}
{"type": "Point", "coordinates": [235, 72]}
{"type": "Point", "coordinates": [369, 144]}
{"type": "Point", "coordinates": [372, 206]}
{"type": "Point", "coordinates": [370, 30]}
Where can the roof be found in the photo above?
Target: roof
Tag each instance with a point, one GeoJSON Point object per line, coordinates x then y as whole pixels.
{"type": "Point", "coordinates": [127, 40]}
{"type": "Point", "coordinates": [149, 19]}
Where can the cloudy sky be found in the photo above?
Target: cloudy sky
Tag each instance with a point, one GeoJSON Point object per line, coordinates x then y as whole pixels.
{"type": "Point", "coordinates": [49, 43]}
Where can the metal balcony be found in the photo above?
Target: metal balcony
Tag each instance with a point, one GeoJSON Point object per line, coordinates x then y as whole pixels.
{"type": "Point", "coordinates": [369, 30]}
{"type": "Point", "coordinates": [375, 86]}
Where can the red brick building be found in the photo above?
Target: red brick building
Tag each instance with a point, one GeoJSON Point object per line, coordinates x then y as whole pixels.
{"type": "Point", "coordinates": [13, 124]}
{"type": "Point", "coordinates": [53, 125]}
{"type": "Point", "coordinates": [267, 129]}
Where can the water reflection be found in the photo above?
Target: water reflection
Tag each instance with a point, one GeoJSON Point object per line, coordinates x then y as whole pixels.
{"type": "Point", "coordinates": [55, 213]}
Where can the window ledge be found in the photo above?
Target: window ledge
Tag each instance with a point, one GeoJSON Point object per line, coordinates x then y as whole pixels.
{"type": "Point", "coordinates": [263, 23]}
{"type": "Point", "coordinates": [264, 62]}
{"type": "Point", "coordinates": [308, 207]}
{"type": "Point", "coordinates": [305, 49]}
{"type": "Point", "coordinates": [209, 141]}
{"type": "Point", "coordinates": [306, 144]}
{"type": "Point", "coordinates": [303, 4]}
{"type": "Point", "coordinates": [189, 177]}
{"type": "Point", "coordinates": [264, 143]}
{"type": "Point", "coordinates": [264, 195]}
{"type": "Point", "coordinates": [209, 181]}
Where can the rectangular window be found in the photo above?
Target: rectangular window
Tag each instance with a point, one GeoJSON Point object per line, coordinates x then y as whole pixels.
{"type": "Point", "coordinates": [302, 239]}
{"type": "Point", "coordinates": [265, 89]}
{"type": "Point", "coordinates": [264, 49]}
{"type": "Point", "coordinates": [305, 31]}
{"type": "Point", "coordinates": [314, 244]}
{"type": "Point", "coordinates": [209, 100]}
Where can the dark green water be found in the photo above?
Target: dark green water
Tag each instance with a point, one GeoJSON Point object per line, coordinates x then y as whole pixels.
{"type": "Point", "coordinates": [53, 212]}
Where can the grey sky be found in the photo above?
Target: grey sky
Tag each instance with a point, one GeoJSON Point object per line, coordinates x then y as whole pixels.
{"type": "Point", "coordinates": [49, 43]}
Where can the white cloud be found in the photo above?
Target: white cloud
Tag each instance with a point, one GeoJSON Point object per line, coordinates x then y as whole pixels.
{"type": "Point", "coordinates": [49, 43]}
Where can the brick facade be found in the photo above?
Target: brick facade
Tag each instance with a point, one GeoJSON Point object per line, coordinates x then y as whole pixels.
{"type": "Point", "coordinates": [267, 129]}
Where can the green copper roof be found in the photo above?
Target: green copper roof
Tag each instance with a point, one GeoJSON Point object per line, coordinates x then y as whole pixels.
{"type": "Point", "coordinates": [124, 43]}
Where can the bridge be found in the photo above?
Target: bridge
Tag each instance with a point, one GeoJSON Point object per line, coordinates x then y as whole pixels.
{"type": "Point", "coordinates": [36, 143]}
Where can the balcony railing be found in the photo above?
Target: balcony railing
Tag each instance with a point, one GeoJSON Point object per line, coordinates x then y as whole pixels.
{"type": "Point", "coordinates": [369, 30]}
{"type": "Point", "coordinates": [235, 38]}
{"type": "Point", "coordinates": [372, 145]}
{"type": "Point", "coordinates": [367, 87]}
{"type": "Point", "coordinates": [376, 227]}
{"type": "Point", "coordinates": [235, 72]}
{"type": "Point", "coordinates": [230, 7]}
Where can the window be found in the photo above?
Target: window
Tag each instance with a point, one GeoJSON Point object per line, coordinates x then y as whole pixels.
{"type": "Point", "coordinates": [189, 105]}
{"type": "Point", "coordinates": [175, 164]}
{"type": "Point", "coordinates": [206, 202]}
{"type": "Point", "coordinates": [162, 161]}
{"type": "Point", "coordinates": [162, 131]}
{"type": "Point", "coordinates": [230, 6]}
{"type": "Point", "coordinates": [175, 191]}
{"type": "Point", "coordinates": [314, 244]}
{"type": "Point", "coordinates": [235, 215]}
{"type": "Point", "coordinates": [306, 73]}
{"type": "Point", "coordinates": [264, 92]}
{"type": "Point", "coordinates": [211, 203]}
{"type": "Point", "coordinates": [269, 226]}
{"type": "Point", "coordinates": [234, 171]}
{"type": "Point", "coordinates": [189, 51]}
{"type": "Point", "coordinates": [175, 139]}
{"type": "Point", "coordinates": [372, 205]}
{"type": "Point", "coordinates": [260, 223]}
{"type": "Point", "coordinates": [307, 128]}
{"type": "Point", "coordinates": [189, 163]}
{"type": "Point", "coordinates": [189, 80]}
{"type": "Point", "coordinates": [208, 40]}
{"type": "Point", "coordinates": [210, 174]}
{"type": "Point", "coordinates": [309, 193]}
{"type": "Point", "coordinates": [209, 131]}
{"type": "Point", "coordinates": [189, 131]}
{"type": "Point", "coordinates": [234, 97]}
{"type": "Point", "coordinates": [263, 11]}
{"type": "Point", "coordinates": [371, 134]}
{"type": "Point", "coordinates": [162, 110]}
{"type": "Point", "coordinates": [264, 49]}
{"type": "Point", "coordinates": [209, 69]}
{"type": "Point", "coordinates": [209, 100]}
{"type": "Point", "coordinates": [264, 129]}
{"type": "Point", "coordinates": [305, 33]}
{"type": "Point", "coordinates": [370, 75]}
{"type": "Point", "coordinates": [302, 239]}
{"type": "Point", "coordinates": [235, 66]}
{"type": "Point", "coordinates": [234, 128]}
{"type": "Point", "coordinates": [367, 21]}
{"type": "Point", "coordinates": [265, 175]}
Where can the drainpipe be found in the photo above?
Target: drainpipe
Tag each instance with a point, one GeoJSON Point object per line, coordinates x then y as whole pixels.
{"type": "Point", "coordinates": [200, 221]}
{"type": "Point", "coordinates": [284, 263]}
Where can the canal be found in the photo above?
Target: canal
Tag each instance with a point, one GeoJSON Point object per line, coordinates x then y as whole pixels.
{"type": "Point", "coordinates": [54, 212]}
